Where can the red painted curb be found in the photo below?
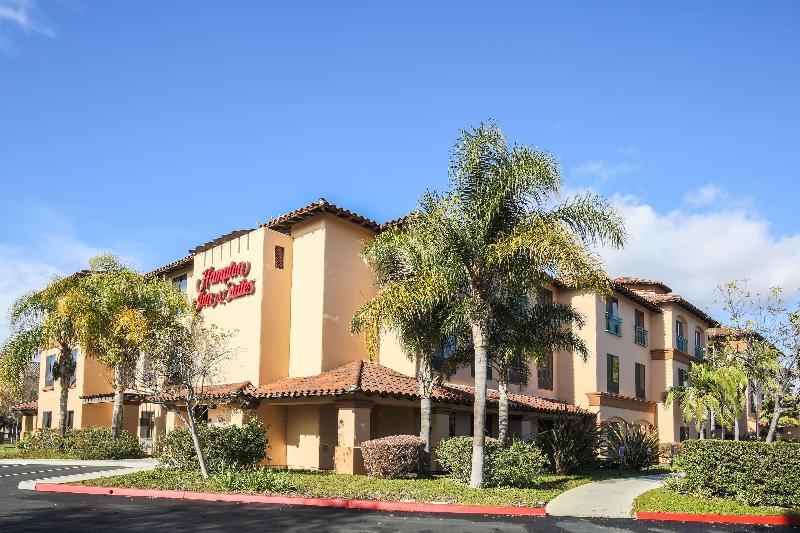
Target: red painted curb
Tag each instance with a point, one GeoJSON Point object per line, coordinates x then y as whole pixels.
{"type": "Point", "coordinates": [767, 520]}
{"type": "Point", "coordinates": [341, 503]}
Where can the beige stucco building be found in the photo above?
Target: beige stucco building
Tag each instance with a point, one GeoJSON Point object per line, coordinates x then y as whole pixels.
{"type": "Point", "coordinates": [289, 289]}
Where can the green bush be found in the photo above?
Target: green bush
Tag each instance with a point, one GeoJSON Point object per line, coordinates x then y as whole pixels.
{"type": "Point", "coordinates": [225, 447]}
{"type": "Point", "coordinates": [393, 457]}
{"type": "Point", "coordinates": [261, 480]}
{"type": "Point", "coordinates": [515, 464]}
{"type": "Point", "coordinates": [572, 444]}
{"type": "Point", "coordinates": [640, 445]}
{"type": "Point", "coordinates": [752, 473]}
{"type": "Point", "coordinates": [84, 443]}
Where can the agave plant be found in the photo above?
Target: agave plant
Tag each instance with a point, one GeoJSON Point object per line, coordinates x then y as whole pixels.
{"type": "Point", "coordinates": [571, 444]}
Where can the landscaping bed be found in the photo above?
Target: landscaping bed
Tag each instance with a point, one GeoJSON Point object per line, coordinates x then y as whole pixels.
{"type": "Point", "coordinates": [309, 484]}
{"type": "Point", "coordinates": [663, 500]}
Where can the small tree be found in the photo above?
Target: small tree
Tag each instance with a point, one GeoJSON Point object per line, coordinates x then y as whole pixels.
{"type": "Point", "coordinates": [39, 322]}
{"type": "Point", "coordinates": [182, 361]}
{"type": "Point", "coordinates": [696, 399]}
{"type": "Point", "coordinates": [114, 311]}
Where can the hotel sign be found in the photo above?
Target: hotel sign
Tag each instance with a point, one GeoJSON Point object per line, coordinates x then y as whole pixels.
{"type": "Point", "coordinates": [233, 287]}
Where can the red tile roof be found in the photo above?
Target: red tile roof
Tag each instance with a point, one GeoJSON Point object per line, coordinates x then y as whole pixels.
{"type": "Point", "coordinates": [216, 392]}
{"type": "Point", "coordinates": [284, 223]}
{"type": "Point", "coordinates": [26, 406]}
{"type": "Point", "coordinates": [626, 280]}
{"type": "Point", "coordinates": [660, 299]}
{"type": "Point", "coordinates": [372, 378]}
{"type": "Point", "coordinates": [171, 267]}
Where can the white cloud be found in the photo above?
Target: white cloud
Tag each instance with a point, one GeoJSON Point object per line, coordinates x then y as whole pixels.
{"type": "Point", "coordinates": [693, 252]}
{"type": "Point", "coordinates": [21, 15]}
{"type": "Point", "coordinates": [599, 170]}
{"type": "Point", "coordinates": [705, 195]}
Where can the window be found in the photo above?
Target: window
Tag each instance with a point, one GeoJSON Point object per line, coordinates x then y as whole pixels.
{"type": "Point", "coordinates": [74, 377]}
{"type": "Point", "coordinates": [180, 282]}
{"type": "Point", "coordinates": [444, 351]}
{"type": "Point", "coordinates": [683, 377]}
{"type": "Point", "coordinates": [280, 252]}
{"type": "Point", "coordinates": [613, 321]}
{"type": "Point", "coordinates": [544, 373]}
{"type": "Point", "coordinates": [490, 425]}
{"type": "Point", "coordinates": [640, 380]}
{"type": "Point", "coordinates": [639, 333]}
{"type": "Point", "coordinates": [70, 419]}
{"type": "Point", "coordinates": [49, 373]}
{"type": "Point", "coordinates": [681, 342]}
{"type": "Point", "coordinates": [146, 419]}
{"type": "Point", "coordinates": [452, 424]}
{"type": "Point", "coordinates": [515, 375]}
{"type": "Point", "coordinates": [47, 419]}
{"type": "Point", "coordinates": [545, 296]}
{"type": "Point", "coordinates": [201, 413]}
{"type": "Point", "coordinates": [612, 373]}
{"type": "Point", "coordinates": [684, 434]}
{"type": "Point", "coordinates": [699, 345]}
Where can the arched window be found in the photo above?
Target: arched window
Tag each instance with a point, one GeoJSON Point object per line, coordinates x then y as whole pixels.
{"type": "Point", "coordinates": [681, 342]}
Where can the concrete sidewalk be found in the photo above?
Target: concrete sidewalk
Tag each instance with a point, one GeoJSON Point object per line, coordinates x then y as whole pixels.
{"type": "Point", "coordinates": [611, 498]}
{"type": "Point", "coordinates": [115, 468]}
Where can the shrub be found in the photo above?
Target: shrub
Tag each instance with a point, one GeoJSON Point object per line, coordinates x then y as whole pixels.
{"type": "Point", "coordinates": [96, 443]}
{"type": "Point", "coordinates": [393, 457]}
{"type": "Point", "coordinates": [572, 443]}
{"type": "Point", "coordinates": [225, 447]}
{"type": "Point", "coordinates": [515, 464]}
{"type": "Point", "coordinates": [252, 480]}
{"type": "Point", "coordinates": [84, 443]}
{"type": "Point", "coordinates": [753, 473]}
{"type": "Point", "coordinates": [640, 445]}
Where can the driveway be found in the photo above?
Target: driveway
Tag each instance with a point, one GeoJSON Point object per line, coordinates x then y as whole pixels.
{"type": "Point", "coordinates": [23, 510]}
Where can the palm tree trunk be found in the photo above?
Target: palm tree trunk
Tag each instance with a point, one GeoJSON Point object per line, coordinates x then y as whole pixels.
{"type": "Point", "coordinates": [757, 405]}
{"type": "Point", "coordinates": [480, 339]}
{"type": "Point", "coordinates": [119, 396]}
{"type": "Point", "coordinates": [712, 424]}
{"type": "Point", "coordinates": [198, 449]}
{"type": "Point", "coordinates": [425, 388]}
{"type": "Point", "coordinates": [64, 377]}
{"type": "Point", "coordinates": [736, 429]}
{"type": "Point", "coordinates": [502, 410]}
{"type": "Point", "coordinates": [776, 414]}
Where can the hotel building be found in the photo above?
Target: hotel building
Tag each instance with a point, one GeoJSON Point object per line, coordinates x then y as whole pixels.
{"type": "Point", "coordinates": [289, 289]}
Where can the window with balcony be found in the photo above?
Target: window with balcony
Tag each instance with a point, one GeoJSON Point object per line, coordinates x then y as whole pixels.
{"type": "Point", "coordinates": [613, 321]}
{"type": "Point", "coordinates": [639, 333]}
{"type": "Point", "coordinates": [681, 342]}
{"type": "Point", "coordinates": [699, 345]}
{"type": "Point", "coordinates": [640, 380]}
{"type": "Point", "coordinates": [544, 373]}
{"type": "Point", "coordinates": [49, 371]}
{"type": "Point", "coordinates": [612, 373]}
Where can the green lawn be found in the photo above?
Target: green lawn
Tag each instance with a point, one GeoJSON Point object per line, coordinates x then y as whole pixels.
{"type": "Point", "coordinates": [12, 451]}
{"type": "Point", "coordinates": [325, 484]}
{"type": "Point", "coordinates": [663, 500]}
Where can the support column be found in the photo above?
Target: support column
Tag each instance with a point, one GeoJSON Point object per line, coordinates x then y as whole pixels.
{"type": "Point", "coordinates": [440, 429]}
{"type": "Point", "coordinates": [353, 428]}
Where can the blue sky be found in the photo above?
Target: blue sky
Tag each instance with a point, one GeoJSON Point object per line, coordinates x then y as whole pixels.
{"type": "Point", "coordinates": [147, 128]}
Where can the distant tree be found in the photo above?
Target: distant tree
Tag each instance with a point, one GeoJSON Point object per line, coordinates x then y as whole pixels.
{"type": "Point", "coordinates": [39, 322]}
{"type": "Point", "coordinates": [182, 360]}
{"type": "Point", "coordinates": [696, 399]}
{"type": "Point", "coordinates": [115, 311]}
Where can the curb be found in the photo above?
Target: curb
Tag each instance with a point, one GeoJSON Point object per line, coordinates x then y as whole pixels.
{"type": "Point", "coordinates": [766, 520]}
{"type": "Point", "coordinates": [340, 503]}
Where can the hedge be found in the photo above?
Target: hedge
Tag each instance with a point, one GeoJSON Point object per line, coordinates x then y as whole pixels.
{"type": "Point", "coordinates": [84, 443]}
{"type": "Point", "coordinates": [393, 457]}
{"type": "Point", "coordinates": [225, 447]}
{"type": "Point", "coordinates": [753, 473]}
{"type": "Point", "coordinates": [515, 464]}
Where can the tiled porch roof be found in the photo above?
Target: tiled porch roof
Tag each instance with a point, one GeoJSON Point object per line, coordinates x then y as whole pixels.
{"type": "Point", "coordinates": [215, 392]}
{"type": "Point", "coordinates": [372, 378]}
{"type": "Point", "coordinates": [26, 406]}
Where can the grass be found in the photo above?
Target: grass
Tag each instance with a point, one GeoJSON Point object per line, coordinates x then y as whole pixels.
{"type": "Point", "coordinates": [663, 500]}
{"type": "Point", "coordinates": [12, 451]}
{"type": "Point", "coordinates": [326, 484]}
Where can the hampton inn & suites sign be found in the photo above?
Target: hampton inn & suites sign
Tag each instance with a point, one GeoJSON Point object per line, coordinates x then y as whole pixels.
{"type": "Point", "coordinates": [229, 277]}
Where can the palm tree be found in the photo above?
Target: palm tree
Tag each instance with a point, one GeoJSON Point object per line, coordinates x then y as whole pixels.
{"type": "Point", "coordinates": [500, 229]}
{"type": "Point", "coordinates": [731, 384]}
{"type": "Point", "coordinates": [115, 310]}
{"type": "Point", "coordinates": [698, 398]}
{"type": "Point", "coordinates": [37, 322]}
{"type": "Point", "coordinates": [398, 258]}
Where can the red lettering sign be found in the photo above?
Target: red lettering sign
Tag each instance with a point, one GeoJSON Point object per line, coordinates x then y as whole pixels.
{"type": "Point", "coordinates": [232, 290]}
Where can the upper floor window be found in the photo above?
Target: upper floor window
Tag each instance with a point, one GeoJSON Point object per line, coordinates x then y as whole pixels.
{"type": "Point", "coordinates": [180, 282]}
{"type": "Point", "coordinates": [613, 321]}
{"type": "Point", "coordinates": [612, 373]}
{"type": "Point", "coordinates": [544, 373]}
{"type": "Point", "coordinates": [681, 342]}
{"type": "Point", "coordinates": [444, 351]}
{"type": "Point", "coordinates": [699, 345]}
{"type": "Point", "coordinates": [640, 380]}
{"type": "Point", "coordinates": [49, 374]}
{"type": "Point", "coordinates": [545, 296]}
{"type": "Point", "coordinates": [639, 333]}
{"type": "Point", "coordinates": [280, 253]}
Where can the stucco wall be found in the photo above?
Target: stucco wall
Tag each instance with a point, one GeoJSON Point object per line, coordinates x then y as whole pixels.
{"type": "Point", "coordinates": [303, 436]}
